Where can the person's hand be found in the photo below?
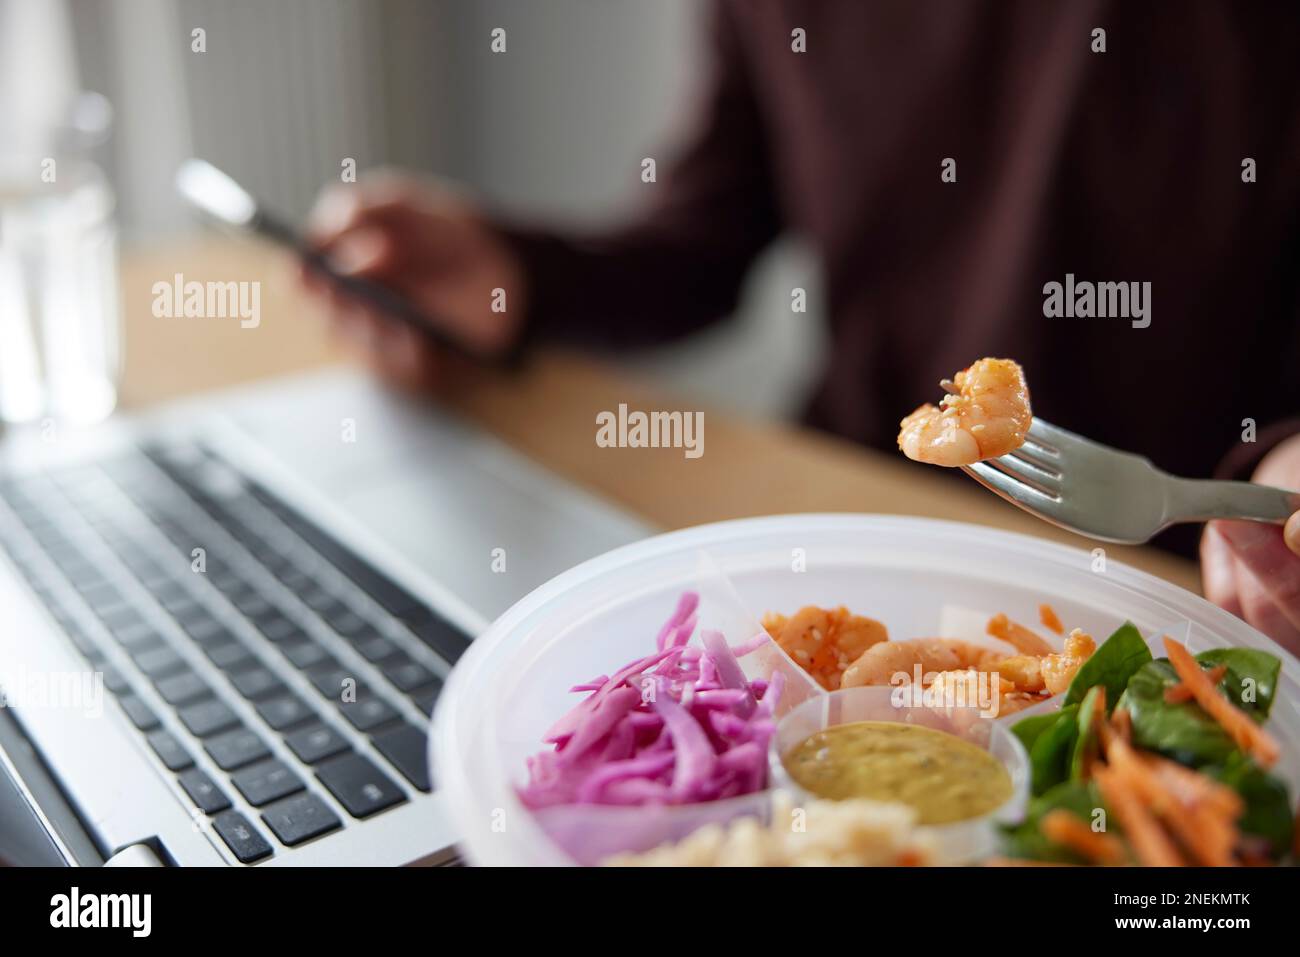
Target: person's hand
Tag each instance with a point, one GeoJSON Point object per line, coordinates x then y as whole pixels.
{"type": "Point", "coordinates": [1253, 569]}
{"type": "Point", "coordinates": [429, 245]}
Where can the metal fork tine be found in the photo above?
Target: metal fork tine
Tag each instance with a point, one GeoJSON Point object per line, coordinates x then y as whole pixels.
{"type": "Point", "coordinates": [1021, 472]}
{"type": "Point", "coordinates": [1038, 449]}
{"type": "Point", "coordinates": [1020, 462]}
{"type": "Point", "coordinates": [1012, 486]}
{"type": "Point", "coordinates": [1055, 439]}
{"type": "Point", "coordinates": [1049, 462]}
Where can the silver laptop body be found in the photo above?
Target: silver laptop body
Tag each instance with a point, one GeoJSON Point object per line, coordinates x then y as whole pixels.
{"type": "Point", "coordinates": [441, 510]}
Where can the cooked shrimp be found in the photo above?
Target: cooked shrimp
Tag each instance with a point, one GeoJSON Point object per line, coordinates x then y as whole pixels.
{"type": "Point", "coordinates": [1018, 636]}
{"type": "Point", "coordinates": [973, 688]}
{"type": "Point", "coordinates": [986, 416]}
{"type": "Point", "coordinates": [824, 642]}
{"type": "Point", "coordinates": [879, 663]}
{"type": "Point", "coordinates": [1024, 672]}
{"type": "Point", "coordinates": [1058, 670]}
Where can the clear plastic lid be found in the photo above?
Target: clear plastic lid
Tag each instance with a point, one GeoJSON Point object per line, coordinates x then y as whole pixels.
{"type": "Point", "coordinates": [922, 578]}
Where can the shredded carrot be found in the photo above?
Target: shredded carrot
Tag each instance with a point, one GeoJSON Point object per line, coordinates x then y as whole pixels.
{"type": "Point", "coordinates": [1067, 830]}
{"type": "Point", "coordinates": [1200, 812]}
{"type": "Point", "coordinates": [1047, 615]}
{"type": "Point", "coordinates": [1017, 635]}
{"type": "Point", "coordinates": [1122, 722]}
{"type": "Point", "coordinates": [1151, 845]}
{"type": "Point", "coordinates": [1192, 787]}
{"type": "Point", "coordinates": [1177, 694]}
{"type": "Point", "coordinates": [1249, 736]}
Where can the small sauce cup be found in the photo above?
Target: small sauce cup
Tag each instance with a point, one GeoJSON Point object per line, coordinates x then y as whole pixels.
{"type": "Point", "coordinates": [958, 842]}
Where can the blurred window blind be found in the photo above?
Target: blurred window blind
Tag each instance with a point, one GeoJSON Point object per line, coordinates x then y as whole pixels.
{"type": "Point", "coordinates": [286, 91]}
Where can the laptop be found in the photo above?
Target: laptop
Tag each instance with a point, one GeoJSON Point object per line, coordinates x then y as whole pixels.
{"type": "Point", "coordinates": [226, 623]}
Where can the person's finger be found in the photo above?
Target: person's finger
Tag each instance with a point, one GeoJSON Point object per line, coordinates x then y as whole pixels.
{"type": "Point", "coordinates": [342, 208]}
{"type": "Point", "coordinates": [1261, 551]}
{"type": "Point", "coordinates": [364, 252]}
{"type": "Point", "coordinates": [1218, 571]}
{"type": "Point", "coordinates": [1291, 533]}
{"type": "Point", "coordinates": [1263, 613]}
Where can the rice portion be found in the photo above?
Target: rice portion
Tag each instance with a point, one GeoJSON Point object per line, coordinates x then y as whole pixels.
{"type": "Point", "coordinates": [854, 833]}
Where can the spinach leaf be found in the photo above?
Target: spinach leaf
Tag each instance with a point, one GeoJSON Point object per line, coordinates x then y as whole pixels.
{"type": "Point", "coordinates": [1049, 758]}
{"type": "Point", "coordinates": [1028, 729]}
{"type": "Point", "coordinates": [1085, 742]}
{"type": "Point", "coordinates": [1268, 806]}
{"type": "Point", "coordinates": [1185, 732]}
{"type": "Point", "coordinates": [1025, 840]}
{"type": "Point", "coordinates": [1181, 731]}
{"type": "Point", "coordinates": [1251, 678]}
{"type": "Point", "coordinates": [1112, 665]}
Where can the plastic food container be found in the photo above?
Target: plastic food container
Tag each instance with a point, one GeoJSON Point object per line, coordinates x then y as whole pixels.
{"type": "Point", "coordinates": [921, 578]}
{"type": "Point", "coordinates": [959, 841]}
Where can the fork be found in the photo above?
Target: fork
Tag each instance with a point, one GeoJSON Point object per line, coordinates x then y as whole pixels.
{"type": "Point", "coordinates": [1103, 493]}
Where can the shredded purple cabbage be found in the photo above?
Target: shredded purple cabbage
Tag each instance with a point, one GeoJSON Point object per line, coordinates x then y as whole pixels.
{"type": "Point", "coordinates": [679, 726]}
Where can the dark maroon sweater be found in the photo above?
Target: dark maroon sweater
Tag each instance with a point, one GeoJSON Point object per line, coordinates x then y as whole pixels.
{"type": "Point", "coordinates": [1123, 166]}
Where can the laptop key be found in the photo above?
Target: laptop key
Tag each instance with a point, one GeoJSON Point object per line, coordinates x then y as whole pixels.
{"type": "Point", "coordinates": [173, 756]}
{"type": "Point", "coordinates": [304, 654]}
{"type": "Point", "coordinates": [241, 837]}
{"type": "Point", "coordinates": [405, 673]}
{"type": "Point", "coordinates": [441, 637]}
{"type": "Point", "coordinates": [89, 650]}
{"type": "Point", "coordinates": [206, 630]}
{"type": "Point", "coordinates": [207, 718]}
{"type": "Point", "coordinates": [257, 682]}
{"type": "Point", "coordinates": [316, 743]}
{"type": "Point", "coordinates": [406, 748]}
{"type": "Point", "coordinates": [331, 679]}
{"type": "Point", "coordinates": [203, 791]}
{"type": "Point", "coordinates": [425, 698]}
{"type": "Point", "coordinates": [283, 711]}
{"type": "Point", "coordinates": [137, 637]}
{"type": "Point", "coordinates": [358, 785]}
{"type": "Point", "coordinates": [138, 712]}
{"type": "Point", "coordinates": [300, 818]}
{"type": "Point", "coordinates": [266, 782]}
{"type": "Point", "coordinates": [113, 680]}
{"type": "Point", "coordinates": [182, 688]}
{"type": "Point", "coordinates": [158, 662]}
{"type": "Point", "coordinates": [367, 712]}
{"type": "Point", "coordinates": [229, 655]}
{"type": "Point", "coordinates": [376, 648]}
{"type": "Point", "coordinates": [194, 617]}
{"type": "Point", "coordinates": [279, 629]}
{"type": "Point", "coordinates": [119, 617]}
{"type": "Point", "coordinates": [236, 748]}
{"type": "Point", "coordinates": [349, 624]}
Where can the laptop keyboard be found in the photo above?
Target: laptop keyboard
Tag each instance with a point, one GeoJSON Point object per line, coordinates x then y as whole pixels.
{"type": "Point", "coordinates": [324, 670]}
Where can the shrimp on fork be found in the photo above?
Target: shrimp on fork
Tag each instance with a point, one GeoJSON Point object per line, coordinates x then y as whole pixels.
{"type": "Point", "coordinates": [984, 415]}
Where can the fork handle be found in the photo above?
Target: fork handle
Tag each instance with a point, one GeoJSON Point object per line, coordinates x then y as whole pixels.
{"type": "Point", "coordinates": [1199, 500]}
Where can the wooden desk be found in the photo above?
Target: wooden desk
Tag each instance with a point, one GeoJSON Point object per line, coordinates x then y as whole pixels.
{"type": "Point", "coordinates": [548, 411]}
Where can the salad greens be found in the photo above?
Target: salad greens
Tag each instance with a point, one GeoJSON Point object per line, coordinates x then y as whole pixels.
{"type": "Point", "coordinates": [1086, 744]}
{"type": "Point", "coordinates": [1268, 813]}
{"type": "Point", "coordinates": [1112, 665]}
{"type": "Point", "coordinates": [1183, 731]}
{"type": "Point", "coordinates": [1123, 669]}
{"type": "Point", "coordinates": [1049, 759]}
{"type": "Point", "coordinates": [1026, 839]}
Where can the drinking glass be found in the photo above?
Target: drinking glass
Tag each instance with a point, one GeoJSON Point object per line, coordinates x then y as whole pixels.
{"type": "Point", "coordinates": [60, 309]}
